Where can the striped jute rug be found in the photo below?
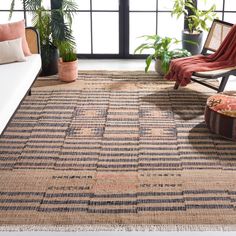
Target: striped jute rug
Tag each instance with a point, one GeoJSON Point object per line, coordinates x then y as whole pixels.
{"type": "Point", "coordinates": [115, 150]}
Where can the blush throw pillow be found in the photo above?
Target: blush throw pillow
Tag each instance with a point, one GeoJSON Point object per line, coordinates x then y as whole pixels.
{"type": "Point", "coordinates": [11, 51]}
{"type": "Point", "coordinates": [15, 30]}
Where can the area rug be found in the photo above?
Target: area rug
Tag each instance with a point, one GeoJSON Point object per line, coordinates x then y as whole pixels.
{"type": "Point", "coordinates": [115, 150]}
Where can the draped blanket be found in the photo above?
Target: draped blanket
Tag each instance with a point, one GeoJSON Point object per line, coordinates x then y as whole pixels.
{"type": "Point", "coordinates": [182, 69]}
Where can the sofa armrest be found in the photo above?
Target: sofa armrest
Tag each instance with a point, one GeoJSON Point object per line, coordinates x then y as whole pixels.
{"type": "Point", "coordinates": [32, 37]}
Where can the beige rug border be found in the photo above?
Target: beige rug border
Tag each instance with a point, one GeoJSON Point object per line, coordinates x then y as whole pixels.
{"type": "Point", "coordinates": [122, 227]}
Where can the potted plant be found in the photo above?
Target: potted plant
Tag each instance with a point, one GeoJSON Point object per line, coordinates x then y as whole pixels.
{"type": "Point", "coordinates": [42, 21]}
{"type": "Point", "coordinates": [163, 53]}
{"type": "Point", "coordinates": [195, 23]}
{"type": "Point", "coordinates": [54, 27]}
{"type": "Point", "coordinates": [67, 63]}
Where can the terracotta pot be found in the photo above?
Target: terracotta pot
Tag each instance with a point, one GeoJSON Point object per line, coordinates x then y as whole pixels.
{"type": "Point", "coordinates": [67, 71]}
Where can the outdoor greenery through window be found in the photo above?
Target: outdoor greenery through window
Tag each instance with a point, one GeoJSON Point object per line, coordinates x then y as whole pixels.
{"type": "Point", "coordinates": [99, 30]}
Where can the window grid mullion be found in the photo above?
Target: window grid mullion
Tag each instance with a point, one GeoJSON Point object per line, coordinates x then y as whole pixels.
{"type": "Point", "coordinates": [125, 40]}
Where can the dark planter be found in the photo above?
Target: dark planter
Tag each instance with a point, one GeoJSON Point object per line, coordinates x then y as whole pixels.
{"type": "Point", "coordinates": [196, 47]}
{"type": "Point", "coordinates": [50, 57]}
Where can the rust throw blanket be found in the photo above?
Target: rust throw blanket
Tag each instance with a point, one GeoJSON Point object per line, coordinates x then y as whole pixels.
{"type": "Point", "coordinates": [182, 69]}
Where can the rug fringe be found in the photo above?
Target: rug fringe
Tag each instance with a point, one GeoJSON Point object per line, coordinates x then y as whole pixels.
{"type": "Point", "coordinates": [78, 228]}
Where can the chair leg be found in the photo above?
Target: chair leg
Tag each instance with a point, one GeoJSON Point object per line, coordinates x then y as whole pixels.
{"type": "Point", "coordinates": [223, 83]}
{"type": "Point", "coordinates": [176, 85]}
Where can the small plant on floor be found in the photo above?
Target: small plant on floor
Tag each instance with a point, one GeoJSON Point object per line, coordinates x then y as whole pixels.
{"type": "Point", "coordinates": [69, 56]}
{"type": "Point", "coordinates": [68, 63]}
{"type": "Point", "coordinates": [161, 51]}
{"type": "Point", "coordinates": [67, 52]}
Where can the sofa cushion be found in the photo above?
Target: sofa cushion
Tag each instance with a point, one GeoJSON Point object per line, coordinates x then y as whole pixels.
{"type": "Point", "coordinates": [13, 31]}
{"type": "Point", "coordinates": [11, 51]}
{"type": "Point", "coordinates": [15, 81]}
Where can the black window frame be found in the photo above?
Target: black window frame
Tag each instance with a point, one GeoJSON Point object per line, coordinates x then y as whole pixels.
{"type": "Point", "coordinates": [124, 16]}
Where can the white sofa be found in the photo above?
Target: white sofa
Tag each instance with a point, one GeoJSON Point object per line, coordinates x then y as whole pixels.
{"type": "Point", "coordinates": [17, 78]}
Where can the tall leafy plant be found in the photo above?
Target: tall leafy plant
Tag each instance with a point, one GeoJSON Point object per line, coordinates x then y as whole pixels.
{"type": "Point", "coordinates": [54, 25]}
{"type": "Point", "coordinates": [196, 19]}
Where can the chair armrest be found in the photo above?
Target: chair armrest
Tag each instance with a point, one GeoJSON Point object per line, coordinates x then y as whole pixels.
{"type": "Point", "coordinates": [33, 40]}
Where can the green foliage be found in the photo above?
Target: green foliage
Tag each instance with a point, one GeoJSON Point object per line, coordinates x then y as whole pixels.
{"type": "Point", "coordinates": [162, 50]}
{"type": "Point", "coordinates": [55, 25]}
{"type": "Point", "coordinates": [67, 52]}
{"type": "Point", "coordinates": [42, 21]}
{"type": "Point", "coordinates": [197, 19]}
{"type": "Point", "coordinates": [69, 56]}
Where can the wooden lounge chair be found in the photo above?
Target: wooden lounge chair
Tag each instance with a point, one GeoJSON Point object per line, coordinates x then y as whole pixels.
{"type": "Point", "coordinates": [216, 35]}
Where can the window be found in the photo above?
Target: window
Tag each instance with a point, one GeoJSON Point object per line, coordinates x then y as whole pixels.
{"type": "Point", "coordinates": [4, 11]}
{"type": "Point", "coordinates": [96, 27]}
{"type": "Point", "coordinates": [226, 9]}
{"type": "Point", "coordinates": [111, 28]}
{"type": "Point", "coordinates": [152, 17]}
